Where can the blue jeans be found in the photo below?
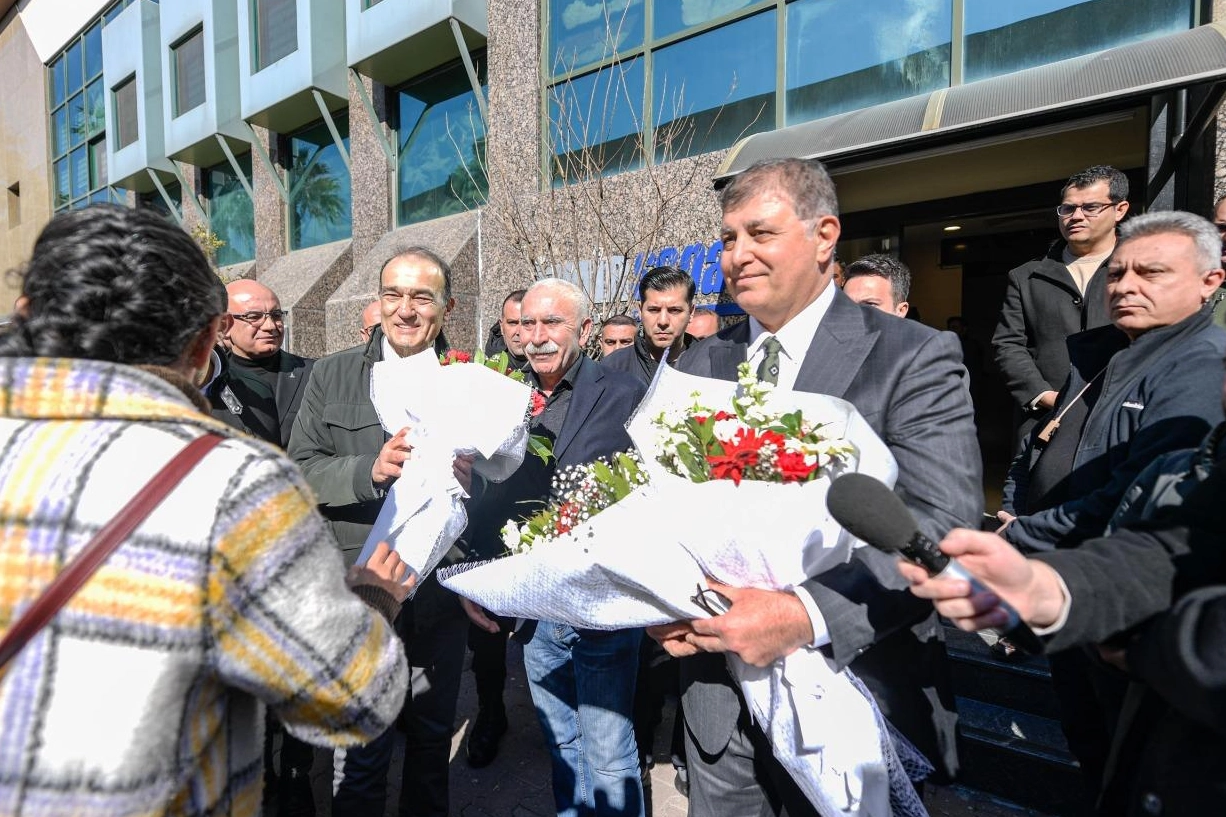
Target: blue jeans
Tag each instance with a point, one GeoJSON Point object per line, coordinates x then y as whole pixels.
{"type": "Point", "coordinates": [582, 684]}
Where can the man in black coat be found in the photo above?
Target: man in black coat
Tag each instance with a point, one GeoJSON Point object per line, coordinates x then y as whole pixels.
{"type": "Point", "coordinates": [260, 386]}
{"type": "Point", "coordinates": [666, 302]}
{"type": "Point", "coordinates": [1052, 297]}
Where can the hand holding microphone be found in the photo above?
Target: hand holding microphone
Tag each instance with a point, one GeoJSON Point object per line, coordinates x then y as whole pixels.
{"type": "Point", "coordinates": [870, 511]}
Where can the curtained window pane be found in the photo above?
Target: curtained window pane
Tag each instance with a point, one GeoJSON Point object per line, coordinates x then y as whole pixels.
{"type": "Point", "coordinates": [276, 30]}
{"type": "Point", "coordinates": [188, 60]}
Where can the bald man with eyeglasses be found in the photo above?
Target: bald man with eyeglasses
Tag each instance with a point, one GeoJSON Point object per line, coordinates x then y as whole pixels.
{"type": "Point", "coordinates": [260, 386]}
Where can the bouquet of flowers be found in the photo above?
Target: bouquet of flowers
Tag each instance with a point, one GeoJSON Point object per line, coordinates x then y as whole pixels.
{"type": "Point", "coordinates": [451, 410]}
{"type": "Point", "coordinates": [749, 465]}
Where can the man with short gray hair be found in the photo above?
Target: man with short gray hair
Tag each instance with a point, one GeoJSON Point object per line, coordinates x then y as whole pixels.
{"type": "Point", "coordinates": [582, 681]}
{"type": "Point", "coordinates": [1146, 385]}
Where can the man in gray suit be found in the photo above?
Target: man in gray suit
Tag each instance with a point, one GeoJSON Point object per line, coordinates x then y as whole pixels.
{"type": "Point", "coordinates": [780, 227]}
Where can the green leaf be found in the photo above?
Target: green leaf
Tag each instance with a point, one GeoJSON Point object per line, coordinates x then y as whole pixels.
{"type": "Point", "coordinates": [541, 447]}
{"type": "Point", "coordinates": [696, 467]}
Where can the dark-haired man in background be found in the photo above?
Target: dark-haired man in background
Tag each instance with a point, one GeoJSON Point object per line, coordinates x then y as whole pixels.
{"type": "Point", "coordinates": [667, 301]}
{"type": "Point", "coordinates": [880, 281]}
{"type": "Point", "coordinates": [616, 333]}
{"type": "Point", "coordinates": [350, 463]}
{"type": "Point", "coordinates": [1062, 293]}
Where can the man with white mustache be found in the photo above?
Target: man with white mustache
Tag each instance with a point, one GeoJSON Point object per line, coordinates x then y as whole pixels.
{"type": "Point", "coordinates": [582, 681]}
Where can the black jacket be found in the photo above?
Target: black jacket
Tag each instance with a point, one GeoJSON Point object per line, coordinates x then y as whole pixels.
{"type": "Point", "coordinates": [637, 360]}
{"type": "Point", "coordinates": [1042, 307]}
{"type": "Point", "coordinates": [1158, 589]}
{"type": "Point", "coordinates": [229, 395]}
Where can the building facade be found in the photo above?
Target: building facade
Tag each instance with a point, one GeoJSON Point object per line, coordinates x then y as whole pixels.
{"type": "Point", "coordinates": [304, 141]}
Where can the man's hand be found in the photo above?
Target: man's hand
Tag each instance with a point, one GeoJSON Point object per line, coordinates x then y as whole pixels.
{"type": "Point", "coordinates": [674, 638]}
{"type": "Point", "coordinates": [1031, 587]}
{"type": "Point", "coordinates": [1047, 400]}
{"type": "Point", "coordinates": [761, 626]}
{"type": "Point", "coordinates": [462, 467]}
{"type": "Point", "coordinates": [383, 569]}
{"type": "Point", "coordinates": [478, 615]}
{"type": "Point", "coordinates": [1005, 519]}
{"type": "Point", "coordinates": [392, 456]}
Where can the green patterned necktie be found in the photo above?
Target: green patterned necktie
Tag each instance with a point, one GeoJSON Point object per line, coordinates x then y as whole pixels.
{"type": "Point", "coordinates": [768, 369]}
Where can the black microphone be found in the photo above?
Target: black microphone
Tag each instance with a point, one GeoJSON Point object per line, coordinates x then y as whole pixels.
{"type": "Point", "coordinates": [870, 511]}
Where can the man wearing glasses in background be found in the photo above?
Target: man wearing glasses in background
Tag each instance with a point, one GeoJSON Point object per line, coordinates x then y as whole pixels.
{"type": "Point", "coordinates": [259, 389]}
{"type": "Point", "coordinates": [260, 386]}
{"type": "Point", "coordinates": [1064, 292]}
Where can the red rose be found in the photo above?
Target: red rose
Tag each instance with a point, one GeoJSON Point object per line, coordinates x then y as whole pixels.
{"type": "Point", "coordinates": [792, 466]}
{"type": "Point", "coordinates": [568, 516]}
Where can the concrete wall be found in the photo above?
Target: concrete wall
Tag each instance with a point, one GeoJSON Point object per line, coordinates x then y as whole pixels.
{"type": "Point", "coordinates": [23, 152]}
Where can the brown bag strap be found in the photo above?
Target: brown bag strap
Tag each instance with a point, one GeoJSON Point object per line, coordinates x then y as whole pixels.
{"type": "Point", "coordinates": [71, 578]}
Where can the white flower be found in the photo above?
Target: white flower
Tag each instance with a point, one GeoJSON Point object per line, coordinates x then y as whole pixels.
{"type": "Point", "coordinates": [727, 430]}
{"type": "Point", "coordinates": [511, 536]}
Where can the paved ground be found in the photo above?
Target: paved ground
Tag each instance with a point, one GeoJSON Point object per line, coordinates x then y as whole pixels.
{"type": "Point", "coordinates": [516, 784]}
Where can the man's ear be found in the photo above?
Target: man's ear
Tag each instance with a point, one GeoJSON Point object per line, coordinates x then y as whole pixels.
{"type": "Point", "coordinates": [585, 331]}
{"type": "Point", "coordinates": [227, 323]}
{"type": "Point", "coordinates": [1210, 282]}
{"type": "Point", "coordinates": [450, 306]}
{"type": "Point", "coordinates": [902, 309]}
{"type": "Point", "coordinates": [22, 306]}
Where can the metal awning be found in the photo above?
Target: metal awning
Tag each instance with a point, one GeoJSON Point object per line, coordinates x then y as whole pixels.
{"type": "Point", "coordinates": [1108, 80]}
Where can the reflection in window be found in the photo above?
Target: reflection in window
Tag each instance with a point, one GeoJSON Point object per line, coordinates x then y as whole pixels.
{"type": "Point", "coordinates": [188, 67]}
{"type": "Point", "coordinates": [318, 186]}
{"type": "Point", "coordinates": [584, 32]}
{"type": "Point", "coordinates": [848, 54]}
{"type": "Point", "coordinates": [126, 127]}
{"type": "Point", "coordinates": [153, 199]}
{"type": "Point", "coordinates": [95, 108]}
{"type": "Point", "coordinates": [671, 16]}
{"type": "Point", "coordinates": [594, 122]}
{"type": "Point", "coordinates": [1006, 37]}
{"type": "Point", "coordinates": [703, 104]}
{"type": "Point", "coordinates": [97, 164]}
{"type": "Point", "coordinates": [442, 146]}
{"type": "Point", "coordinates": [63, 190]}
{"type": "Point", "coordinates": [276, 30]}
{"type": "Point", "coordinates": [231, 217]}
{"type": "Point", "coordinates": [93, 51]}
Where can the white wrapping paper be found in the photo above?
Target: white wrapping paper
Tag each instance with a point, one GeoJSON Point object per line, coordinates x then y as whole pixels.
{"type": "Point", "coordinates": [641, 561]}
{"type": "Point", "coordinates": [459, 409]}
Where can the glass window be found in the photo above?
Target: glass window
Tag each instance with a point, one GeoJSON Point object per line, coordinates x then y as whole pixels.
{"type": "Point", "coordinates": [442, 146]}
{"type": "Point", "coordinates": [318, 186]}
{"type": "Point", "coordinates": [74, 69]}
{"type": "Point", "coordinates": [370, 3]}
{"type": "Point", "coordinates": [153, 199]}
{"type": "Point", "coordinates": [126, 126]}
{"type": "Point", "coordinates": [93, 51]}
{"type": "Point", "coordinates": [231, 217]}
{"type": "Point", "coordinates": [188, 67]}
{"type": "Point", "coordinates": [58, 81]}
{"type": "Point", "coordinates": [95, 108]}
{"type": "Point", "coordinates": [670, 16]}
{"type": "Point", "coordinates": [595, 120]}
{"type": "Point", "coordinates": [97, 164]}
{"type": "Point", "coordinates": [78, 161]}
{"type": "Point", "coordinates": [704, 104]}
{"type": "Point", "coordinates": [59, 129]}
{"type": "Point", "coordinates": [276, 30]}
{"type": "Point", "coordinates": [1006, 37]}
{"type": "Point", "coordinates": [76, 119]}
{"type": "Point", "coordinates": [848, 54]}
{"type": "Point", "coordinates": [584, 32]}
{"type": "Point", "coordinates": [63, 190]}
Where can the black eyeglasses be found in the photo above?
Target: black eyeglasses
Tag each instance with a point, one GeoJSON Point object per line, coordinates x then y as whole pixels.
{"type": "Point", "coordinates": [256, 318]}
{"type": "Point", "coordinates": [715, 604]}
{"type": "Point", "coordinates": [1091, 209]}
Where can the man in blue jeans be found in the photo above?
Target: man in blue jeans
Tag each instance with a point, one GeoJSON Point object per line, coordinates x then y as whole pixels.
{"type": "Point", "coordinates": [582, 681]}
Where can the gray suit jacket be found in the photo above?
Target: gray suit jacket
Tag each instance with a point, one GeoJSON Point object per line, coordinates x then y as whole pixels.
{"type": "Point", "coordinates": [909, 383]}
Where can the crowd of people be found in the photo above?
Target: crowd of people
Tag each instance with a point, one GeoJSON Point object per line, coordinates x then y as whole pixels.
{"type": "Point", "coordinates": [238, 594]}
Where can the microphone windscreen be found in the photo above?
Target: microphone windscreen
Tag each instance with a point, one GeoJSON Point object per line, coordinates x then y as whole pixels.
{"type": "Point", "coordinates": [870, 511]}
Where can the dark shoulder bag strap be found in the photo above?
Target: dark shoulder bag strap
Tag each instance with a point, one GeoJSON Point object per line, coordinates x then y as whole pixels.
{"type": "Point", "coordinates": [71, 578]}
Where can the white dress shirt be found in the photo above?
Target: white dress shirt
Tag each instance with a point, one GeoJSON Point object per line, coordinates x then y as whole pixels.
{"type": "Point", "coordinates": [794, 337]}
